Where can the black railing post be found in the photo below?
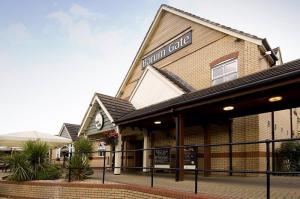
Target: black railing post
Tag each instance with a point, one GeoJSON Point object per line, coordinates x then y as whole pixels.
{"type": "Point", "coordinates": [70, 157]}
{"type": "Point", "coordinates": [268, 167]}
{"type": "Point", "coordinates": [152, 166]}
{"type": "Point", "coordinates": [104, 168]}
{"type": "Point", "coordinates": [196, 169]}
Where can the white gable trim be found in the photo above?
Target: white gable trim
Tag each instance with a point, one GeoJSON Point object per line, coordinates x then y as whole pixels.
{"type": "Point", "coordinates": [215, 27]}
{"type": "Point", "coordinates": [160, 76]}
{"type": "Point", "coordinates": [88, 113]}
{"type": "Point", "coordinates": [62, 128]}
{"type": "Point", "coordinates": [186, 16]}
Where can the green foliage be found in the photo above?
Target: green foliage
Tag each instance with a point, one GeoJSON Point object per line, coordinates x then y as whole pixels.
{"type": "Point", "coordinates": [4, 157]}
{"type": "Point", "coordinates": [79, 167]}
{"type": "Point", "coordinates": [32, 163]}
{"type": "Point", "coordinates": [49, 172]}
{"type": "Point", "coordinates": [83, 146]}
{"type": "Point", "coordinates": [20, 167]}
{"type": "Point", "coordinates": [290, 153]}
{"type": "Point", "coordinates": [37, 153]}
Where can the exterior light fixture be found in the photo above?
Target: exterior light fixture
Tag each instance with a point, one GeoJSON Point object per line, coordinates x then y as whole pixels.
{"type": "Point", "coordinates": [228, 108]}
{"type": "Point", "coordinates": [157, 122]}
{"type": "Point", "coordinates": [275, 99]}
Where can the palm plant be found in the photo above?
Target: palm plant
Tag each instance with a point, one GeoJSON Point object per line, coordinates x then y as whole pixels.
{"type": "Point", "coordinates": [32, 163]}
{"type": "Point", "coordinates": [290, 152]}
{"type": "Point", "coordinates": [20, 167]}
{"type": "Point", "coordinates": [83, 146]}
{"type": "Point", "coordinates": [79, 167]}
{"type": "Point", "coordinates": [37, 154]}
{"type": "Point", "coordinates": [78, 164]}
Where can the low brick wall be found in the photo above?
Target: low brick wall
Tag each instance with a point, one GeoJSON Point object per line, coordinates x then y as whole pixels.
{"type": "Point", "coordinates": [74, 190]}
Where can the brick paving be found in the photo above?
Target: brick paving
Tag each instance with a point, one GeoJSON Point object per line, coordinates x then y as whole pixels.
{"type": "Point", "coordinates": [224, 186]}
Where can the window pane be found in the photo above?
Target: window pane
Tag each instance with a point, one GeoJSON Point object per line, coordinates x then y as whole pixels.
{"type": "Point", "coordinates": [217, 72]}
{"type": "Point", "coordinates": [231, 67]}
{"type": "Point", "coordinates": [218, 81]}
{"type": "Point", "coordinates": [231, 77]}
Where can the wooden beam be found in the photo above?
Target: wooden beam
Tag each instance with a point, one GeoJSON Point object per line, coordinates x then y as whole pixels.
{"type": "Point", "coordinates": [207, 152]}
{"type": "Point", "coordinates": [179, 123]}
{"type": "Point", "coordinates": [230, 146]}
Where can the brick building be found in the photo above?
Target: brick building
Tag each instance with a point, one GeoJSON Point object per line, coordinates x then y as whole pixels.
{"type": "Point", "coordinates": [185, 57]}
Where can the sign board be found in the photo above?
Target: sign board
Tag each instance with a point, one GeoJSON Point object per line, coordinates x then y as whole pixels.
{"type": "Point", "coordinates": [189, 157]}
{"type": "Point", "coordinates": [168, 49]}
{"type": "Point", "coordinates": [162, 156]}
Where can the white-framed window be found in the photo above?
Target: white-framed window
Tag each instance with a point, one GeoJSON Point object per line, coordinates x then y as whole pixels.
{"type": "Point", "coordinates": [102, 149]}
{"type": "Point", "coordinates": [58, 153]}
{"type": "Point", "coordinates": [224, 71]}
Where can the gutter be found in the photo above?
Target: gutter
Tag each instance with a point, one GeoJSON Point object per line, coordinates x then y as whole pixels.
{"type": "Point", "coordinates": [172, 109]}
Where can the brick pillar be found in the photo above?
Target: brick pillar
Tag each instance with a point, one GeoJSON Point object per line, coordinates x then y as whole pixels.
{"type": "Point", "coordinates": [207, 152]}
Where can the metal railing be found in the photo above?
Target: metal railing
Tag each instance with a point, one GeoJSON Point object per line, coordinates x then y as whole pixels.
{"type": "Point", "coordinates": [267, 171]}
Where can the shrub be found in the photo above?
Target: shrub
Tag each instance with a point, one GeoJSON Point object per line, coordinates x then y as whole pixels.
{"type": "Point", "coordinates": [33, 163]}
{"type": "Point", "coordinates": [37, 154]}
{"type": "Point", "coordinates": [79, 167]}
{"type": "Point", "coordinates": [20, 167]}
{"type": "Point", "coordinates": [83, 146]}
{"type": "Point", "coordinates": [290, 154]}
{"type": "Point", "coordinates": [49, 172]}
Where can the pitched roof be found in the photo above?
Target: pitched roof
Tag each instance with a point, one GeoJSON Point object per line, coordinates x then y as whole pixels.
{"type": "Point", "coordinates": [115, 106]}
{"type": "Point", "coordinates": [176, 80]}
{"type": "Point", "coordinates": [266, 76]}
{"type": "Point", "coordinates": [213, 23]}
{"type": "Point", "coordinates": [225, 29]}
{"type": "Point", "coordinates": [275, 50]}
{"type": "Point", "coordinates": [73, 130]}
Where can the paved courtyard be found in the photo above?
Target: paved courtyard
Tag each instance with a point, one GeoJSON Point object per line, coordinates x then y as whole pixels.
{"type": "Point", "coordinates": [230, 187]}
{"type": "Point", "coordinates": [225, 186]}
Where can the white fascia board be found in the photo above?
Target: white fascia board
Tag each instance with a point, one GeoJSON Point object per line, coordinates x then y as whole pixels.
{"type": "Point", "coordinates": [141, 49]}
{"type": "Point", "coordinates": [224, 30]}
{"type": "Point", "coordinates": [150, 69]}
{"type": "Point", "coordinates": [194, 19]}
{"type": "Point", "coordinates": [61, 129]}
{"type": "Point", "coordinates": [167, 81]}
{"type": "Point", "coordinates": [104, 109]}
{"type": "Point", "coordinates": [86, 116]}
{"type": "Point", "coordinates": [88, 113]}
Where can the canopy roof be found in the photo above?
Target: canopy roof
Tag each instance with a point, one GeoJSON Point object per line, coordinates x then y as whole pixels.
{"type": "Point", "coordinates": [248, 94]}
{"type": "Point", "coordinates": [18, 139]}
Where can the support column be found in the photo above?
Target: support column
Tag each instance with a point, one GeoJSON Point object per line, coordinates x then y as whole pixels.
{"type": "Point", "coordinates": [207, 152]}
{"type": "Point", "coordinates": [291, 122]}
{"type": "Point", "coordinates": [146, 153]}
{"type": "Point", "coordinates": [230, 146]}
{"type": "Point", "coordinates": [118, 155]}
{"type": "Point", "coordinates": [273, 138]}
{"type": "Point", "coordinates": [179, 122]}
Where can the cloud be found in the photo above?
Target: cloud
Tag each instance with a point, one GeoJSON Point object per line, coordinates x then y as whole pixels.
{"type": "Point", "coordinates": [78, 25]}
{"type": "Point", "coordinates": [14, 34]}
{"type": "Point", "coordinates": [80, 11]}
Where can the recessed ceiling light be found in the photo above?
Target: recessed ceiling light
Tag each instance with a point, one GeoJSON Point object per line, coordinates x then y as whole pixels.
{"type": "Point", "coordinates": [157, 122]}
{"type": "Point", "coordinates": [275, 99]}
{"type": "Point", "coordinates": [228, 108]}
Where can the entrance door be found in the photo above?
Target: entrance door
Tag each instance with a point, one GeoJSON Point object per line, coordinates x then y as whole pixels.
{"type": "Point", "coordinates": [139, 154]}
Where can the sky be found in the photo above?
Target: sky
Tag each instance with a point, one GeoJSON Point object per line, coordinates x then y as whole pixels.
{"type": "Point", "coordinates": [55, 54]}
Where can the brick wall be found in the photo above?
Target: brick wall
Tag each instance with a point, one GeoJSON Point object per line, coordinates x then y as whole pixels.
{"type": "Point", "coordinates": [75, 190]}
